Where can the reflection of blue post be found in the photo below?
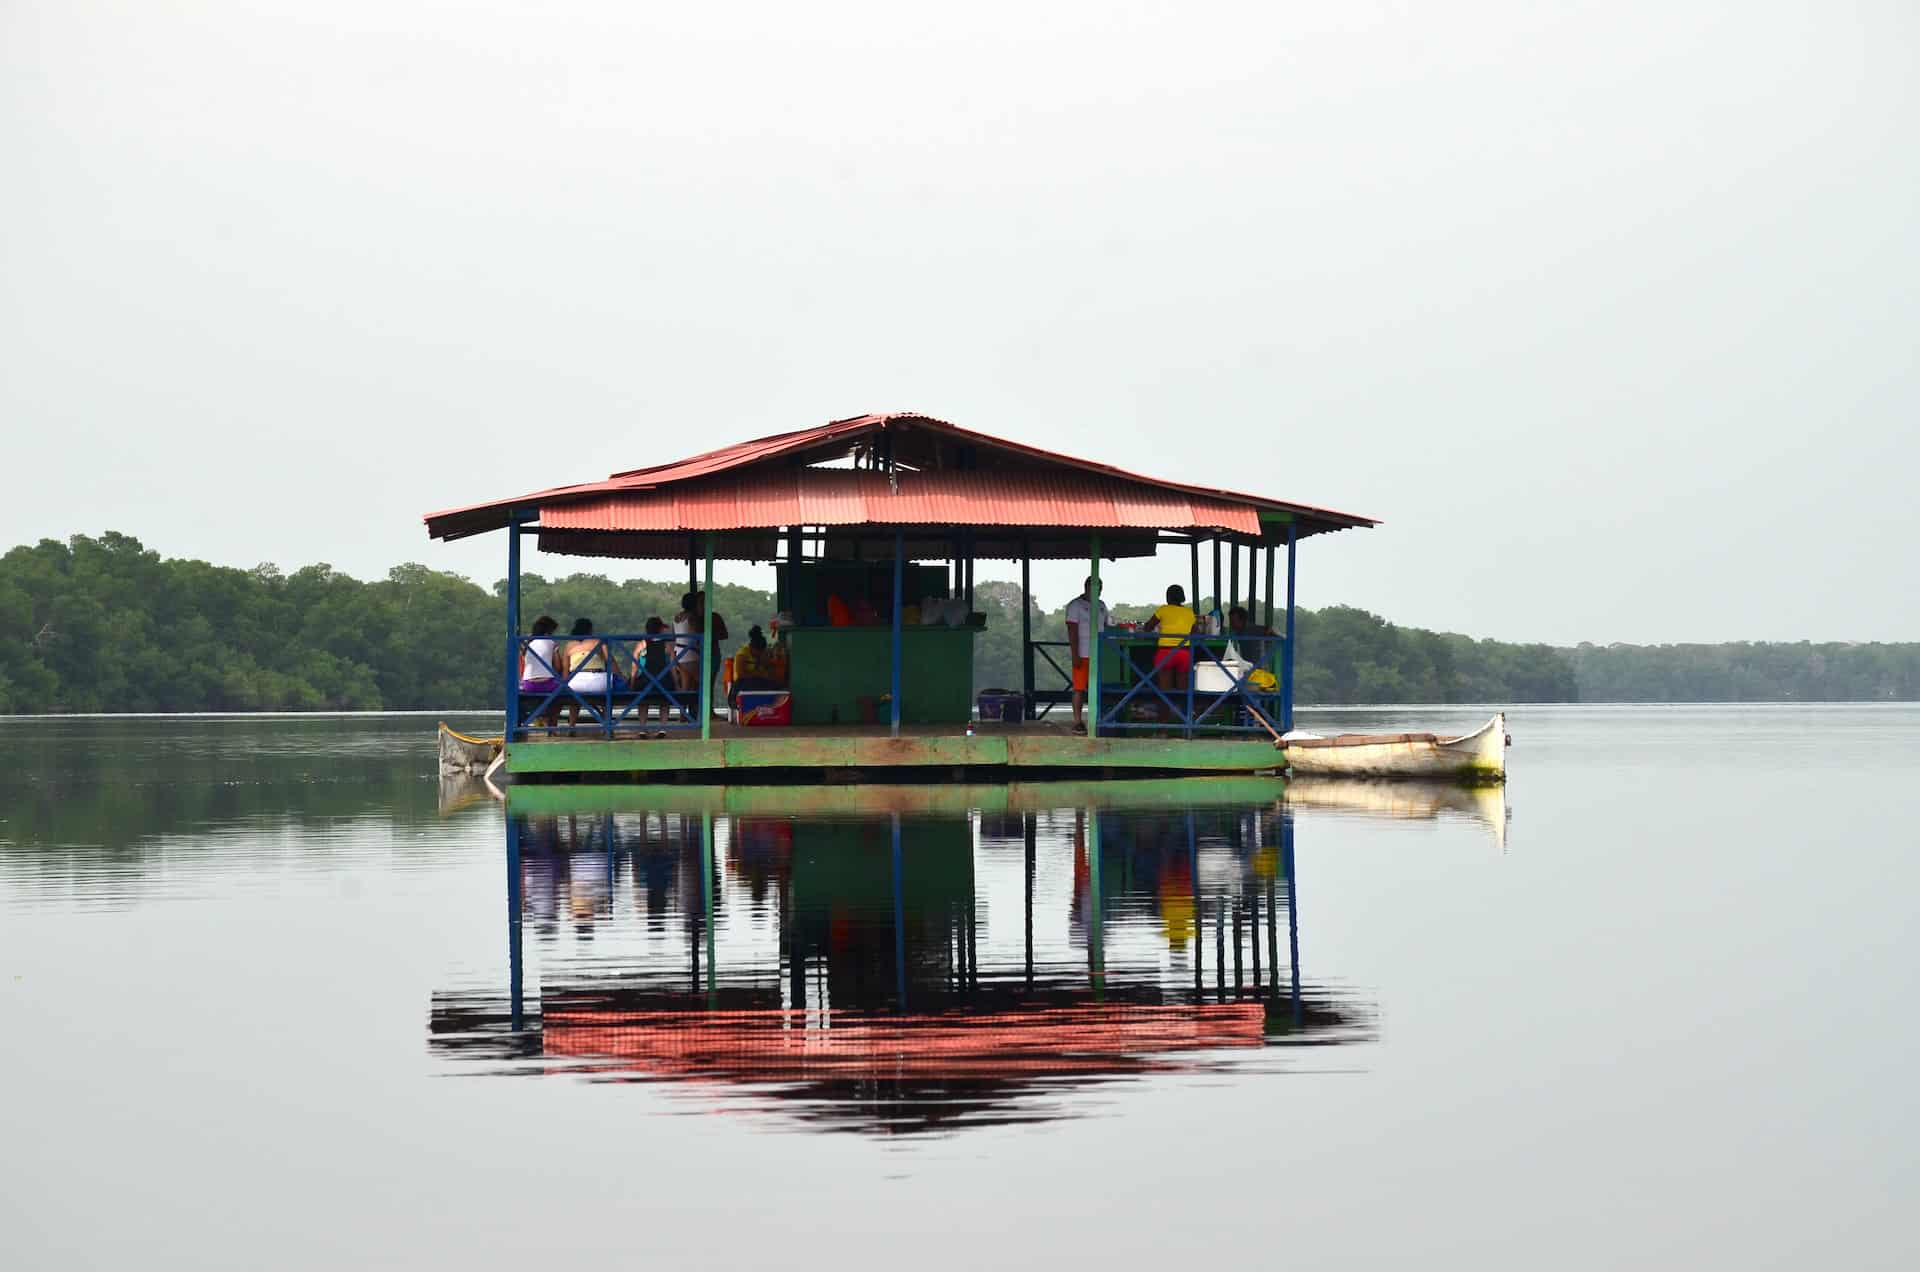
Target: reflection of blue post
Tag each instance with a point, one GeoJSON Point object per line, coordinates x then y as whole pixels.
{"type": "Point", "coordinates": [899, 602]}
{"type": "Point", "coordinates": [514, 973]}
{"type": "Point", "coordinates": [899, 924]}
{"type": "Point", "coordinates": [511, 700]}
{"type": "Point", "coordinates": [1031, 833]}
{"type": "Point", "coordinates": [1286, 665]}
{"type": "Point", "coordinates": [1096, 947]}
{"type": "Point", "coordinates": [1293, 904]}
{"type": "Point", "coordinates": [706, 898]}
{"type": "Point", "coordinates": [1193, 868]}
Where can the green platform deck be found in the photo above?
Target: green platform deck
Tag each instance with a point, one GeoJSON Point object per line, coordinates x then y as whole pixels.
{"type": "Point", "coordinates": [910, 799]}
{"type": "Point", "coordinates": [993, 752]}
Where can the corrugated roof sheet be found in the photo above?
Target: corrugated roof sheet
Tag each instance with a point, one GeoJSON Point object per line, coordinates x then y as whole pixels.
{"type": "Point", "coordinates": [843, 497]}
{"type": "Point", "coordinates": [763, 462]}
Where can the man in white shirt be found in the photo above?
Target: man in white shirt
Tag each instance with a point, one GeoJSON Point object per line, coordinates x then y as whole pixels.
{"type": "Point", "coordinates": [1082, 628]}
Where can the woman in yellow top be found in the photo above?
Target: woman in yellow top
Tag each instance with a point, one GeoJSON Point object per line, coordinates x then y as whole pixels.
{"type": "Point", "coordinates": [754, 668]}
{"type": "Point", "coordinates": [1173, 659]}
{"type": "Point", "coordinates": [585, 662]}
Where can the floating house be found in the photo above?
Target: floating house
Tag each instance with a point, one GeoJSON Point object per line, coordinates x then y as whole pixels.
{"type": "Point", "coordinates": [873, 527]}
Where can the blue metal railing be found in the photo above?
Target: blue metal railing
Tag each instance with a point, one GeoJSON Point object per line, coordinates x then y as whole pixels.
{"type": "Point", "coordinates": [1047, 697]}
{"type": "Point", "coordinates": [629, 690]}
{"type": "Point", "coordinates": [1238, 706]}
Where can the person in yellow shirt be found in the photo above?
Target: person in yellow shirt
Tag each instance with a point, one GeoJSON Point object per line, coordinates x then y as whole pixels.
{"type": "Point", "coordinates": [753, 667]}
{"type": "Point", "coordinates": [1173, 658]}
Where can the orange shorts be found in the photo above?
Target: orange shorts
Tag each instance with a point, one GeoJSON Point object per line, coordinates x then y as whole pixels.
{"type": "Point", "coordinates": [1080, 675]}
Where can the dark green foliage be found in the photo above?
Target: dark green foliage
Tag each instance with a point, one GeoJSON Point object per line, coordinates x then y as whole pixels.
{"type": "Point", "coordinates": [102, 624]}
{"type": "Point", "coordinates": [1748, 672]}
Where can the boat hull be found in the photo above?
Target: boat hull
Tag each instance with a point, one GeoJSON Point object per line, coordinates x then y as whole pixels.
{"type": "Point", "coordinates": [1480, 756]}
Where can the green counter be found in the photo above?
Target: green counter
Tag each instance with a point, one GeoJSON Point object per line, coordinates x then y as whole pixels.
{"type": "Point", "coordinates": [833, 667]}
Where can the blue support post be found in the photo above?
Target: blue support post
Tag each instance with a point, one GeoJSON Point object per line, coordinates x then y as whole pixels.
{"type": "Point", "coordinates": [512, 695]}
{"type": "Point", "coordinates": [706, 649]}
{"type": "Point", "coordinates": [1026, 627]}
{"type": "Point", "coordinates": [1193, 590]}
{"type": "Point", "coordinates": [1253, 587]}
{"type": "Point", "coordinates": [1268, 620]}
{"type": "Point", "coordinates": [1286, 664]}
{"type": "Point", "coordinates": [899, 604]}
{"type": "Point", "coordinates": [1217, 581]}
{"type": "Point", "coordinates": [1093, 646]}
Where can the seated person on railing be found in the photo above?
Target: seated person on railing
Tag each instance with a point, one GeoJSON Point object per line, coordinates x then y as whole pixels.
{"type": "Point", "coordinates": [651, 659]}
{"type": "Point", "coordinates": [586, 664]}
{"type": "Point", "coordinates": [1240, 624]}
{"type": "Point", "coordinates": [752, 667]}
{"type": "Point", "coordinates": [540, 667]}
{"type": "Point", "coordinates": [1083, 628]}
{"type": "Point", "coordinates": [1173, 659]}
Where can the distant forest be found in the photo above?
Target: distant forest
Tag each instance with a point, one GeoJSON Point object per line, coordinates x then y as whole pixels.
{"type": "Point", "coordinates": [103, 624]}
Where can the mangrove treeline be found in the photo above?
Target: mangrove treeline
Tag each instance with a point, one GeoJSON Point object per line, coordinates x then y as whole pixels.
{"type": "Point", "coordinates": [104, 624]}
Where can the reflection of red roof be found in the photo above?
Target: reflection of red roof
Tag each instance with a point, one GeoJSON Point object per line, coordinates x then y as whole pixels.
{"type": "Point", "coordinates": [947, 476]}
{"type": "Point", "coordinates": [777, 1045]}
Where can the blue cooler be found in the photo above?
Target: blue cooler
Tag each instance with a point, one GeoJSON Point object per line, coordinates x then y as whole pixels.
{"type": "Point", "coordinates": [1005, 705]}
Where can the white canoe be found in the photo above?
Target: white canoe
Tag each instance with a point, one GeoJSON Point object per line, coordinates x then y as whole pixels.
{"type": "Point", "coordinates": [1480, 756]}
{"type": "Point", "coordinates": [461, 753]}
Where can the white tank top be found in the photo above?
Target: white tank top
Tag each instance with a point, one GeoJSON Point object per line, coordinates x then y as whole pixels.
{"type": "Point", "coordinates": [686, 644]}
{"type": "Point", "coordinates": [540, 663]}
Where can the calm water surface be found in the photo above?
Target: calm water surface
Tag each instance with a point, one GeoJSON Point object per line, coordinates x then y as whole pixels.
{"type": "Point", "coordinates": [274, 997]}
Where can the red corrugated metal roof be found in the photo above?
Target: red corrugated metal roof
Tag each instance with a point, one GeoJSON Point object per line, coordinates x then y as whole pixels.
{"type": "Point", "coordinates": [844, 497]}
{"type": "Point", "coordinates": [759, 463]}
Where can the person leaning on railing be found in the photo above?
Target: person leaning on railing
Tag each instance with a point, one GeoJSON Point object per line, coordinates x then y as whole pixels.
{"type": "Point", "coordinates": [1173, 660]}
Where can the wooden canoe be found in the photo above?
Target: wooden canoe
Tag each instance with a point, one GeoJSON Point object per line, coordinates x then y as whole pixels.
{"type": "Point", "coordinates": [1480, 756]}
{"type": "Point", "coordinates": [462, 753]}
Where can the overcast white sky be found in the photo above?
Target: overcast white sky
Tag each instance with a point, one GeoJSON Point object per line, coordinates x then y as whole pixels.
{"type": "Point", "coordinates": [1609, 310]}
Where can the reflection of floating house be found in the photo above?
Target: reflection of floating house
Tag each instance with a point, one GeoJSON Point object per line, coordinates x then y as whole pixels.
{"type": "Point", "coordinates": [873, 526]}
{"type": "Point", "coordinates": [850, 969]}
